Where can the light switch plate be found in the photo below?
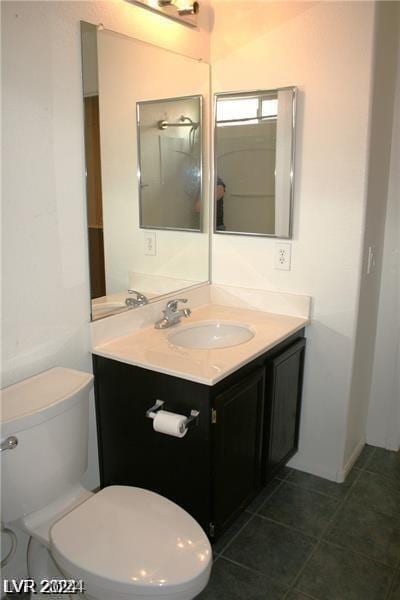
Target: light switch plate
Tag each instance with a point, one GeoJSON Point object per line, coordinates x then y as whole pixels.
{"type": "Point", "coordinates": [150, 243]}
{"type": "Point", "coordinates": [283, 256]}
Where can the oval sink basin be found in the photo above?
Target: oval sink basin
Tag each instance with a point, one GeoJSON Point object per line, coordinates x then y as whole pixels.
{"type": "Point", "coordinates": [211, 334]}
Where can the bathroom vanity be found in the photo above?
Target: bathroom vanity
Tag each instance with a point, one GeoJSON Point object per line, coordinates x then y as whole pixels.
{"type": "Point", "coordinates": [248, 422]}
{"type": "Point", "coordinates": [149, 222]}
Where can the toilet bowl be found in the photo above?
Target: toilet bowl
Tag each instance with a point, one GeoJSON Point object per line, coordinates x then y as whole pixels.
{"type": "Point", "coordinates": [122, 542]}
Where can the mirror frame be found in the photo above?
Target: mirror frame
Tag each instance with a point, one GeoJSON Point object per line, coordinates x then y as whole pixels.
{"type": "Point", "coordinates": [243, 94]}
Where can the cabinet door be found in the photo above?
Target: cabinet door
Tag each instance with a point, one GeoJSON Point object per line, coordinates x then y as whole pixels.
{"type": "Point", "coordinates": [237, 418]}
{"type": "Point", "coordinates": [284, 381]}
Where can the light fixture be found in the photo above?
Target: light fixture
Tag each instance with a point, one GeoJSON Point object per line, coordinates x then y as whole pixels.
{"type": "Point", "coordinates": [184, 11]}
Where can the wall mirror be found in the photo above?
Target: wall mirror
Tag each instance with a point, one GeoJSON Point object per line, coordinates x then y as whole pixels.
{"type": "Point", "coordinates": [169, 147]}
{"type": "Point", "coordinates": [254, 162]}
{"type": "Point", "coordinates": [146, 162]}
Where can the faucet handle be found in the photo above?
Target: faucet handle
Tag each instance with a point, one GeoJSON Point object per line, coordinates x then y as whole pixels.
{"type": "Point", "coordinates": [173, 304]}
{"type": "Point", "coordinates": [140, 299]}
{"type": "Point", "coordinates": [138, 294]}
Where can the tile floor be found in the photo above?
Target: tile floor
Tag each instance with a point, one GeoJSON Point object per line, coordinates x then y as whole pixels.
{"type": "Point", "coordinates": [308, 538]}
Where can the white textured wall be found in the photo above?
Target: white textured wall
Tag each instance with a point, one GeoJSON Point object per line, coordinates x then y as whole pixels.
{"type": "Point", "coordinates": [324, 48]}
{"type": "Point", "coordinates": [383, 425]}
{"type": "Point", "coordinates": [45, 266]}
{"type": "Point", "coordinates": [382, 107]}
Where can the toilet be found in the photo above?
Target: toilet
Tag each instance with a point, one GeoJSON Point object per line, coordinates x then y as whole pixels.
{"type": "Point", "coordinates": [121, 542]}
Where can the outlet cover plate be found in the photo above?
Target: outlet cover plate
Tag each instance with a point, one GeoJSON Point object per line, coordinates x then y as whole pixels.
{"type": "Point", "coordinates": [283, 256]}
{"type": "Point", "coordinates": [150, 243]}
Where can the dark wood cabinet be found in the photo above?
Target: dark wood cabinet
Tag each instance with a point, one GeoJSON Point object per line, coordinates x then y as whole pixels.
{"type": "Point", "coordinates": [284, 375]}
{"type": "Point", "coordinates": [132, 453]}
{"type": "Point", "coordinates": [236, 437]}
{"type": "Point", "coordinates": [246, 430]}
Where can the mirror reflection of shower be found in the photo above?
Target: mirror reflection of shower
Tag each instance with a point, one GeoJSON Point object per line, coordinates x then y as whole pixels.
{"type": "Point", "coordinates": [192, 132]}
{"type": "Point", "coordinates": [254, 162]}
{"type": "Point", "coordinates": [169, 135]}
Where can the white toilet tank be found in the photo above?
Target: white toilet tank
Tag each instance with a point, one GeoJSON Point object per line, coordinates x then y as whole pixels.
{"type": "Point", "coordinates": [48, 414]}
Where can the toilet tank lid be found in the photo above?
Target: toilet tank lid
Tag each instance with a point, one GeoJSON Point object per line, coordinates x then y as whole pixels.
{"type": "Point", "coordinates": [39, 398]}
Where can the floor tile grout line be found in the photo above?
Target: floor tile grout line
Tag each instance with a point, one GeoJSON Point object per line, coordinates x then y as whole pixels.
{"type": "Point", "coordinates": [397, 567]}
{"type": "Point", "coordinates": [391, 587]}
{"type": "Point", "coordinates": [296, 579]}
{"type": "Point", "coordinates": [358, 553]}
{"type": "Point", "coordinates": [345, 497]}
{"type": "Point", "coordinates": [320, 540]}
{"type": "Point", "coordinates": [314, 538]}
{"type": "Point", "coordinates": [310, 488]}
{"type": "Point", "coordinates": [269, 577]}
{"type": "Point", "coordinates": [348, 548]}
{"type": "Point", "coordinates": [256, 513]}
{"type": "Point", "coordinates": [286, 477]}
{"type": "Point", "coordinates": [251, 517]}
{"type": "Point", "coordinates": [293, 589]}
{"type": "Point", "coordinates": [255, 571]}
{"type": "Point", "coordinates": [380, 474]}
{"type": "Point", "coordinates": [368, 460]}
{"type": "Point", "coordinates": [278, 487]}
{"type": "Point", "coordinates": [281, 483]}
{"type": "Point", "coordinates": [392, 584]}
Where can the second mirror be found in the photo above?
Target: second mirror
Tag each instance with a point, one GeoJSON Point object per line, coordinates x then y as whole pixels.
{"type": "Point", "coordinates": [169, 143]}
{"type": "Point", "coordinates": [254, 162]}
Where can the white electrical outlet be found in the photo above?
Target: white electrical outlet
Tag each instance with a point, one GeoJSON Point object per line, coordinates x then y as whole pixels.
{"type": "Point", "coordinates": [283, 256]}
{"type": "Point", "coordinates": [150, 243]}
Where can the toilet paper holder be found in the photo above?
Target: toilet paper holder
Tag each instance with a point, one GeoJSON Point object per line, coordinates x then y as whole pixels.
{"type": "Point", "coordinates": [191, 420]}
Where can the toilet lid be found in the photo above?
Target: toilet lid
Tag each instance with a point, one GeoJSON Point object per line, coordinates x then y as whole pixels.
{"type": "Point", "coordinates": [126, 537]}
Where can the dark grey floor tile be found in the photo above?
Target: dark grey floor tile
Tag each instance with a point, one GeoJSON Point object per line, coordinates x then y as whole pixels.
{"type": "Point", "coordinates": [264, 495]}
{"type": "Point", "coordinates": [367, 531]}
{"type": "Point", "coordinates": [337, 574]}
{"type": "Point", "coordinates": [298, 507]}
{"type": "Point", "coordinates": [312, 482]}
{"type": "Point", "coordinates": [395, 591]}
{"type": "Point", "coordinates": [378, 491]}
{"type": "Point", "coordinates": [386, 463]}
{"type": "Point", "coordinates": [230, 533]}
{"type": "Point", "coordinates": [232, 582]}
{"type": "Point", "coordinates": [364, 456]}
{"type": "Point", "coordinates": [276, 551]}
{"type": "Point", "coordinates": [295, 595]}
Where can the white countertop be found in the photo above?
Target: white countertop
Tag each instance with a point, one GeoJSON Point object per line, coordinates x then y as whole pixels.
{"type": "Point", "coordinates": [149, 348]}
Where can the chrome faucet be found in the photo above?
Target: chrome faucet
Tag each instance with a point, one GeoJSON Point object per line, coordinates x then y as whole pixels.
{"type": "Point", "coordinates": [172, 315]}
{"type": "Point", "coordinates": [140, 299]}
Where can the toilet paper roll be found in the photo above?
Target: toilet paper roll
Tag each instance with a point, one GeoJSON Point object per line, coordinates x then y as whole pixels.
{"type": "Point", "coordinates": [170, 423]}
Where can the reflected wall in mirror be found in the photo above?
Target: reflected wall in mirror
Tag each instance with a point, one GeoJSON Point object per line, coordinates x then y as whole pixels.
{"type": "Point", "coordinates": [169, 135]}
{"type": "Point", "coordinates": [254, 162]}
{"type": "Point", "coordinates": [119, 74]}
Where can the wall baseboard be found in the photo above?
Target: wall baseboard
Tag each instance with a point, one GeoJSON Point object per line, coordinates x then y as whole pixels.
{"type": "Point", "coordinates": [313, 469]}
{"type": "Point", "coordinates": [390, 444]}
{"type": "Point", "coordinates": [342, 474]}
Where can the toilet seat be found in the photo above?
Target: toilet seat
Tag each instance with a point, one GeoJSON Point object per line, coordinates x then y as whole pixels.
{"type": "Point", "coordinates": [128, 542]}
